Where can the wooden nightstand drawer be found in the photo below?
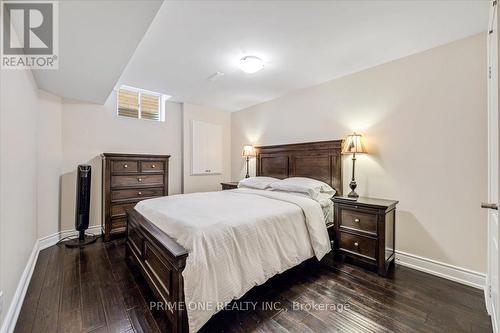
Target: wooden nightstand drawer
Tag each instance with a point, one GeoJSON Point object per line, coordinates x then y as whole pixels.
{"type": "Point", "coordinates": [229, 185]}
{"type": "Point", "coordinates": [358, 220]}
{"type": "Point", "coordinates": [364, 246]}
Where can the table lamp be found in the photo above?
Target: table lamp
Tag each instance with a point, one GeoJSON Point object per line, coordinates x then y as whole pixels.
{"type": "Point", "coordinates": [248, 151]}
{"type": "Point", "coordinates": [353, 144]}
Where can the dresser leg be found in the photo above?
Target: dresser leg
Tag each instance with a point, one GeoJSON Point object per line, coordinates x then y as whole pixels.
{"type": "Point", "coordinates": [384, 268]}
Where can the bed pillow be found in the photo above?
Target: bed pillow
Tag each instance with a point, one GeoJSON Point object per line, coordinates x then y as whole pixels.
{"type": "Point", "coordinates": [260, 183]}
{"type": "Point", "coordinates": [323, 198]}
{"type": "Point", "coordinates": [309, 186]}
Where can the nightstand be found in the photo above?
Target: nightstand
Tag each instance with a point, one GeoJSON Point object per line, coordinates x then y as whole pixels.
{"type": "Point", "coordinates": [364, 230]}
{"type": "Point", "coordinates": [229, 185]}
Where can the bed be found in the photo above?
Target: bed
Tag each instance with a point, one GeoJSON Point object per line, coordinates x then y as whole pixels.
{"type": "Point", "coordinates": [229, 235]}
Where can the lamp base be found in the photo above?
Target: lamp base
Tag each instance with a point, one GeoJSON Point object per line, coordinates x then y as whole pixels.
{"type": "Point", "coordinates": [353, 194]}
{"type": "Point", "coordinates": [248, 173]}
{"type": "Point", "coordinates": [353, 186]}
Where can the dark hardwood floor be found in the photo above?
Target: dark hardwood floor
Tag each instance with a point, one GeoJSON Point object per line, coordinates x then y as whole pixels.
{"type": "Point", "coordinates": [96, 290]}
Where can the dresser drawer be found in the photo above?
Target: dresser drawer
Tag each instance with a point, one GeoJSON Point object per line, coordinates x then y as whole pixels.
{"type": "Point", "coordinates": [124, 166]}
{"type": "Point", "coordinates": [152, 166]}
{"type": "Point", "coordinates": [136, 181]}
{"type": "Point", "coordinates": [119, 224]}
{"type": "Point", "coordinates": [364, 246]}
{"type": "Point", "coordinates": [136, 193]}
{"type": "Point", "coordinates": [357, 220]}
{"type": "Point", "coordinates": [119, 210]}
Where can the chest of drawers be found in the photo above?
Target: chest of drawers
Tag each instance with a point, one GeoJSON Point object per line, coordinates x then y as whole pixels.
{"type": "Point", "coordinates": [365, 231]}
{"type": "Point", "coordinates": [126, 180]}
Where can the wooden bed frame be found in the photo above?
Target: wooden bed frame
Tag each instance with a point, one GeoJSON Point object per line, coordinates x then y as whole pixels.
{"type": "Point", "coordinates": [161, 260]}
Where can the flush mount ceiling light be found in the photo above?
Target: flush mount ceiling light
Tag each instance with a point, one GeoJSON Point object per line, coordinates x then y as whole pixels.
{"type": "Point", "coordinates": [251, 64]}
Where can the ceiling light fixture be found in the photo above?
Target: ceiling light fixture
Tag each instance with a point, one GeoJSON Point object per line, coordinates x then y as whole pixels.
{"type": "Point", "coordinates": [251, 64]}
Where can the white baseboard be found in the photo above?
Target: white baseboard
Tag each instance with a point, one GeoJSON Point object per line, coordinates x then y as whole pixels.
{"type": "Point", "coordinates": [494, 322]}
{"type": "Point", "coordinates": [50, 240]}
{"type": "Point", "coordinates": [10, 319]}
{"type": "Point", "coordinates": [490, 307]}
{"type": "Point", "coordinates": [450, 272]}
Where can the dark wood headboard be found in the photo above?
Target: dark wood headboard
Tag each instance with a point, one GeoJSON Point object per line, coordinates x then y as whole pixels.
{"type": "Point", "coordinates": [318, 160]}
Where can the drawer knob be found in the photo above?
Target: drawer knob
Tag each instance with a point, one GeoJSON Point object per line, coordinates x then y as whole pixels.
{"type": "Point", "coordinates": [125, 166]}
{"type": "Point", "coordinates": [356, 244]}
{"type": "Point", "coordinates": [140, 193]}
{"type": "Point", "coordinates": [356, 220]}
{"type": "Point", "coordinates": [153, 166]}
{"type": "Point", "coordinates": [139, 180]}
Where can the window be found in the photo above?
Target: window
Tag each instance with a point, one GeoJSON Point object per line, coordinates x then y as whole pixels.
{"type": "Point", "coordinates": [140, 104]}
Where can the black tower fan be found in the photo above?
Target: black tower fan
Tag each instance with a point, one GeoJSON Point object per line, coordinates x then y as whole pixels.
{"type": "Point", "coordinates": [82, 208]}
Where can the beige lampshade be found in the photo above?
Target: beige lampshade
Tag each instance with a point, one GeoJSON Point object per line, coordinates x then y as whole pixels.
{"type": "Point", "coordinates": [354, 144]}
{"type": "Point", "coordinates": [248, 151]}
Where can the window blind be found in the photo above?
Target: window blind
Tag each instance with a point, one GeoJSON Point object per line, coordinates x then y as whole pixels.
{"type": "Point", "coordinates": [128, 103]}
{"type": "Point", "coordinates": [150, 107]}
{"type": "Point", "coordinates": [139, 104]}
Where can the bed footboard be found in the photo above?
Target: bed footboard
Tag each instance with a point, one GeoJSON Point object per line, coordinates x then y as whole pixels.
{"type": "Point", "coordinates": [161, 261]}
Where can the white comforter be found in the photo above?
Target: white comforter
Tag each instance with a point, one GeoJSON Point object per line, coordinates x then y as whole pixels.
{"type": "Point", "coordinates": [236, 240]}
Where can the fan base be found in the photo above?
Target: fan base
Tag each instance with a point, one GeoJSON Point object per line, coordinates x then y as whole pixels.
{"type": "Point", "coordinates": [77, 242]}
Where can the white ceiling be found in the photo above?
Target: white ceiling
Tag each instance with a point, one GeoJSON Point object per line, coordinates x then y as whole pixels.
{"type": "Point", "coordinates": [303, 42]}
{"type": "Point", "coordinates": [96, 40]}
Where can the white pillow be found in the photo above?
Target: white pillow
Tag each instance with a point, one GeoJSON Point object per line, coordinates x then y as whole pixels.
{"type": "Point", "coordinates": [309, 186]}
{"type": "Point", "coordinates": [260, 183]}
{"type": "Point", "coordinates": [323, 198]}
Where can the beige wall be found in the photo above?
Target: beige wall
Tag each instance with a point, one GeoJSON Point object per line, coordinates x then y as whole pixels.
{"type": "Point", "coordinates": [424, 119]}
{"type": "Point", "coordinates": [18, 153]}
{"type": "Point", "coordinates": [30, 157]}
{"type": "Point", "coordinates": [49, 163]}
{"type": "Point", "coordinates": [89, 130]}
{"type": "Point", "coordinates": [203, 183]}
